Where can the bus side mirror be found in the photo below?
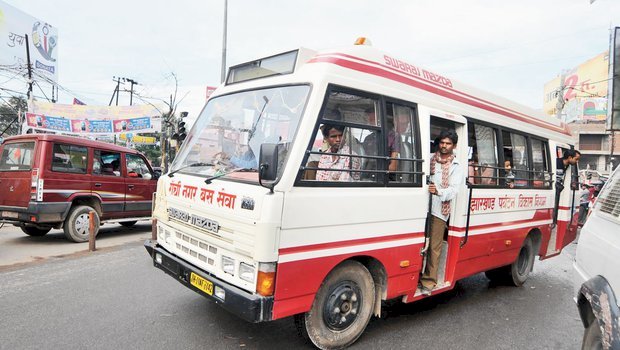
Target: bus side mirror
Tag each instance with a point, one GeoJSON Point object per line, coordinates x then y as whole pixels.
{"type": "Point", "coordinates": [268, 162]}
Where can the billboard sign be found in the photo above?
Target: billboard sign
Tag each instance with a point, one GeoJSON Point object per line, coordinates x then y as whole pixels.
{"type": "Point", "coordinates": [96, 120]}
{"type": "Point", "coordinates": [42, 37]}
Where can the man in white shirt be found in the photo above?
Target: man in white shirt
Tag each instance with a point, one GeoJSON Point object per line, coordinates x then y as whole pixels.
{"type": "Point", "coordinates": [446, 177]}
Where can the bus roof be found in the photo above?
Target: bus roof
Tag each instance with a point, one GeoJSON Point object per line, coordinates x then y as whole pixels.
{"type": "Point", "coordinates": [363, 59]}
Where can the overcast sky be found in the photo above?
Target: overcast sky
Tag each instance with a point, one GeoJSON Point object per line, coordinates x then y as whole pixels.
{"type": "Point", "coordinates": [510, 48]}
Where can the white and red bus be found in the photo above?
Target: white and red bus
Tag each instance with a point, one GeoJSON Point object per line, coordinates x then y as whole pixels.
{"type": "Point", "coordinates": [250, 217]}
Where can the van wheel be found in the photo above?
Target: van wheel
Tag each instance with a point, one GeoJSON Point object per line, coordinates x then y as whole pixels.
{"type": "Point", "coordinates": [77, 223]}
{"type": "Point", "coordinates": [592, 337]}
{"type": "Point", "coordinates": [516, 273]}
{"type": "Point", "coordinates": [35, 231]}
{"type": "Point", "coordinates": [341, 309]}
{"type": "Point", "coordinates": [128, 223]}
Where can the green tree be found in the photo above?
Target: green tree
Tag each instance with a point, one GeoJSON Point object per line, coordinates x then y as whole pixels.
{"type": "Point", "coordinates": [9, 124]}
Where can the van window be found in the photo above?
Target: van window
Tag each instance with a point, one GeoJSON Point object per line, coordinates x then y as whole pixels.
{"type": "Point", "coordinates": [136, 167]}
{"type": "Point", "coordinates": [17, 156]}
{"type": "Point", "coordinates": [107, 163]}
{"type": "Point", "coordinates": [69, 159]}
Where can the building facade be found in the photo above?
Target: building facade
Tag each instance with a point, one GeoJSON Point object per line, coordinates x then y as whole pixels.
{"type": "Point", "coordinates": [579, 98]}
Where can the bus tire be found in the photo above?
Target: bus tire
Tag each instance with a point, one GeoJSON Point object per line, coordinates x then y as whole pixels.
{"type": "Point", "coordinates": [592, 337]}
{"type": "Point", "coordinates": [520, 268]}
{"type": "Point", "coordinates": [77, 223]}
{"type": "Point", "coordinates": [35, 231]}
{"type": "Point", "coordinates": [341, 309]}
{"type": "Point", "coordinates": [498, 275]}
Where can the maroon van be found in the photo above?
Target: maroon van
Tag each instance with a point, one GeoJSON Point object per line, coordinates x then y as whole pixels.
{"type": "Point", "coordinates": [53, 181]}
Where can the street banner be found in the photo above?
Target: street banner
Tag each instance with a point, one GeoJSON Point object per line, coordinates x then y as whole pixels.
{"type": "Point", "coordinates": [42, 37]}
{"type": "Point", "coordinates": [138, 139]}
{"type": "Point", "coordinates": [85, 120]}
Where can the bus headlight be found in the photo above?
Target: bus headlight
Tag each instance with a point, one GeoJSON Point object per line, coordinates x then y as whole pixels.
{"type": "Point", "coordinates": [246, 272]}
{"type": "Point", "coordinates": [228, 265]}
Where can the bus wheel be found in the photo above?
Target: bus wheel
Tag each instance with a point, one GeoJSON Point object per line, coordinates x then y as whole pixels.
{"type": "Point", "coordinates": [77, 223]}
{"type": "Point", "coordinates": [520, 269]}
{"type": "Point", "coordinates": [341, 309]}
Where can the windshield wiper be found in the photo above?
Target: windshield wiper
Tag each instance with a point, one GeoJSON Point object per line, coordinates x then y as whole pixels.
{"type": "Point", "coordinates": [211, 178]}
{"type": "Point", "coordinates": [171, 174]}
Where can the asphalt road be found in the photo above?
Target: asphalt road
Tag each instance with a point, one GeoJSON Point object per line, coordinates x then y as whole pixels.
{"type": "Point", "coordinates": [18, 248]}
{"type": "Point", "coordinates": [115, 299]}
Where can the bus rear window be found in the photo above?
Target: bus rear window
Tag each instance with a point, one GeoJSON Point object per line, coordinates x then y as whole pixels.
{"type": "Point", "coordinates": [17, 156]}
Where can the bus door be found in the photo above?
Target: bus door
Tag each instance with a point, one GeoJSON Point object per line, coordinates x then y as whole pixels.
{"type": "Point", "coordinates": [564, 226]}
{"type": "Point", "coordinates": [453, 236]}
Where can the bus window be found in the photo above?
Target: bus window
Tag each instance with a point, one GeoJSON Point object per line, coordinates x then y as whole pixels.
{"type": "Point", "coordinates": [483, 162]}
{"type": "Point", "coordinates": [402, 143]}
{"type": "Point", "coordinates": [338, 149]}
{"type": "Point", "coordinates": [516, 152]}
{"type": "Point", "coordinates": [540, 163]}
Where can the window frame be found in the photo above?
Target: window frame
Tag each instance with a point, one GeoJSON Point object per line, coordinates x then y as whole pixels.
{"type": "Point", "coordinates": [120, 159]}
{"type": "Point", "coordinates": [29, 166]}
{"type": "Point", "coordinates": [381, 100]}
{"type": "Point", "coordinates": [499, 139]}
{"type": "Point", "coordinates": [148, 166]}
{"type": "Point", "coordinates": [65, 170]}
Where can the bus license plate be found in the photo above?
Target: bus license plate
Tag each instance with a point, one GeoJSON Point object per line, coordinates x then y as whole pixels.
{"type": "Point", "coordinates": [201, 283]}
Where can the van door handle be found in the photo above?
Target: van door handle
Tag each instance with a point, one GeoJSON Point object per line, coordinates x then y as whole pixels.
{"type": "Point", "coordinates": [97, 184]}
{"type": "Point", "coordinates": [130, 186]}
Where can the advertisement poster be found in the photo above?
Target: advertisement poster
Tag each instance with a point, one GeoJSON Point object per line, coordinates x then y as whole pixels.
{"type": "Point", "coordinates": [135, 124]}
{"type": "Point", "coordinates": [48, 122]}
{"type": "Point", "coordinates": [99, 120]}
{"type": "Point", "coordinates": [42, 38]}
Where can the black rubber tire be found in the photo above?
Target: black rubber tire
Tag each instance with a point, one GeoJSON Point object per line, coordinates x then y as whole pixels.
{"type": "Point", "coordinates": [35, 231]}
{"type": "Point", "coordinates": [516, 273]}
{"type": "Point", "coordinates": [347, 293]}
{"type": "Point", "coordinates": [521, 268]}
{"type": "Point", "coordinates": [128, 223]}
{"type": "Point", "coordinates": [499, 275]}
{"type": "Point", "coordinates": [77, 223]}
{"type": "Point", "coordinates": [592, 337]}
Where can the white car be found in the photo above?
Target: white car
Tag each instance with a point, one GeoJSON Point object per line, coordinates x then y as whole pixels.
{"type": "Point", "coordinates": [597, 270]}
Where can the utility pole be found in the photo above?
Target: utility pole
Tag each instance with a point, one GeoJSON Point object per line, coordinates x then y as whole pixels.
{"type": "Point", "coordinates": [132, 82]}
{"type": "Point", "coordinates": [224, 41]}
{"type": "Point", "coordinates": [29, 67]}
{"type": "Point", "coordinates": [116, 90]}
{"type": "Point", "coordinates": [560, 104]}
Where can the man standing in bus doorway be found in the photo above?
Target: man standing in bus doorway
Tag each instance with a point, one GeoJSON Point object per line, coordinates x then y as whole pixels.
{"type": "Point", "coordinates": [570, 157]}
{"type": "Point", "coordinates": [446, 177]}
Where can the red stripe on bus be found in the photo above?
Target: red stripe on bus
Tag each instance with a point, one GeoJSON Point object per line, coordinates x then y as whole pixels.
{"type": "Point", "coordinates": [381, 72]}
{"type": "Point", "coordinates": [443, 86]}
{"type": "Point", "coordinates": [353, 242]}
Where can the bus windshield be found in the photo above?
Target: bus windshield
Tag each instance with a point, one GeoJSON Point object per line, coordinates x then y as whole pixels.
{"type": "Point", "coordinates": [226, 139]}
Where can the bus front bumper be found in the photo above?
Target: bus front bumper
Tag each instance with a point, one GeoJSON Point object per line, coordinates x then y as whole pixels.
{"type": "Point", "coordinates": [248, 306]}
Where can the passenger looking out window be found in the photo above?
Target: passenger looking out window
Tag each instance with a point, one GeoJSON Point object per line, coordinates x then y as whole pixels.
{"type": "Point", "coordinates": [333, 134]}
